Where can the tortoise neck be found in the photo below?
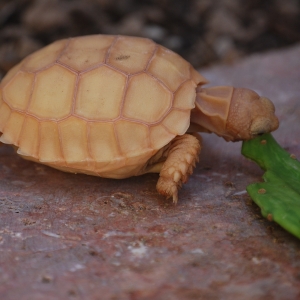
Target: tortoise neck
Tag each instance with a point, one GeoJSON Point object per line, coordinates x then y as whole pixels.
{"type": "Point", "coordinates": [212, 109]}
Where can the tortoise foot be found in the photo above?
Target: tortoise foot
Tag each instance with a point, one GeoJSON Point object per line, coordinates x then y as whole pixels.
{"type": "Point", "coordinates": [181, 159]}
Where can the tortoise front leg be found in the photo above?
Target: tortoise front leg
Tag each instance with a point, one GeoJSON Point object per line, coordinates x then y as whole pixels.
{"type": "Point", "coordinates": [181, 157]}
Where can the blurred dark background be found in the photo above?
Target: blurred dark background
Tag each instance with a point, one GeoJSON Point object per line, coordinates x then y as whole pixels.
{"type": "Point", "coordinates": [202, 31]}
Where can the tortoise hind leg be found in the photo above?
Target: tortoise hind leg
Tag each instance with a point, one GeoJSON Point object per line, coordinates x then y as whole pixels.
{"type": "Point", "coordinates": [181, 157]}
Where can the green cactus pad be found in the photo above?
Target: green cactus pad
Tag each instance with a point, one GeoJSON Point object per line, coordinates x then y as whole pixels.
{"type": "Point", "coordinates": [279, 196]}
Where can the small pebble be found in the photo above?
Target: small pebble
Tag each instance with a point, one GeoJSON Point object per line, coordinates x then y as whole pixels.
{"type": "Point", "coordinates": [47, 278]}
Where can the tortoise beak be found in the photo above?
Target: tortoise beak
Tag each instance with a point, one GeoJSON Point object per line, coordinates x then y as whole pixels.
{"type": "Point", "coordinates": [263, 125]}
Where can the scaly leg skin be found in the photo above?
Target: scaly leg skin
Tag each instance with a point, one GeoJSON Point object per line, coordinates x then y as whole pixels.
{"type": "Point", "coordinates": [182, 155]}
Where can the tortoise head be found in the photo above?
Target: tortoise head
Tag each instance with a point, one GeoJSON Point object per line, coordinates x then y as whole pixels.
{"type": "Point", "coordinates": [234, 113]}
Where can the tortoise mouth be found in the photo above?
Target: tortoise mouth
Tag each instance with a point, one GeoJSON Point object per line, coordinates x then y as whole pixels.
{"type": "Point", "coordinates": [263, 125]}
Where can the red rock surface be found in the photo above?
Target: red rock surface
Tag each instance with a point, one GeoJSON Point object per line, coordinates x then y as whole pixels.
{"type": "Point", "coordinates": [67, 236]}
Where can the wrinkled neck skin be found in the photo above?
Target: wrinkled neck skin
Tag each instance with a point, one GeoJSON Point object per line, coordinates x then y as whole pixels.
{"type": "Point", "coordinates": [211, 111]}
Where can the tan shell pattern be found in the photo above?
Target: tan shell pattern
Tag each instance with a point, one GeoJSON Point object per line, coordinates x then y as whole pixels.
{"type": "Point", "coordinates": [101, 105]}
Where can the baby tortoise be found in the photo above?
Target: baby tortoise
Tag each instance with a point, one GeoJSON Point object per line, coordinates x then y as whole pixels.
{"type": "Point", "coordinates": [117, 106]}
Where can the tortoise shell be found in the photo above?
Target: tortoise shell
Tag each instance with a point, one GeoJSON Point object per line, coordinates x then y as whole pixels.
{"type": "Point", "coordinates": [100, 105]}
